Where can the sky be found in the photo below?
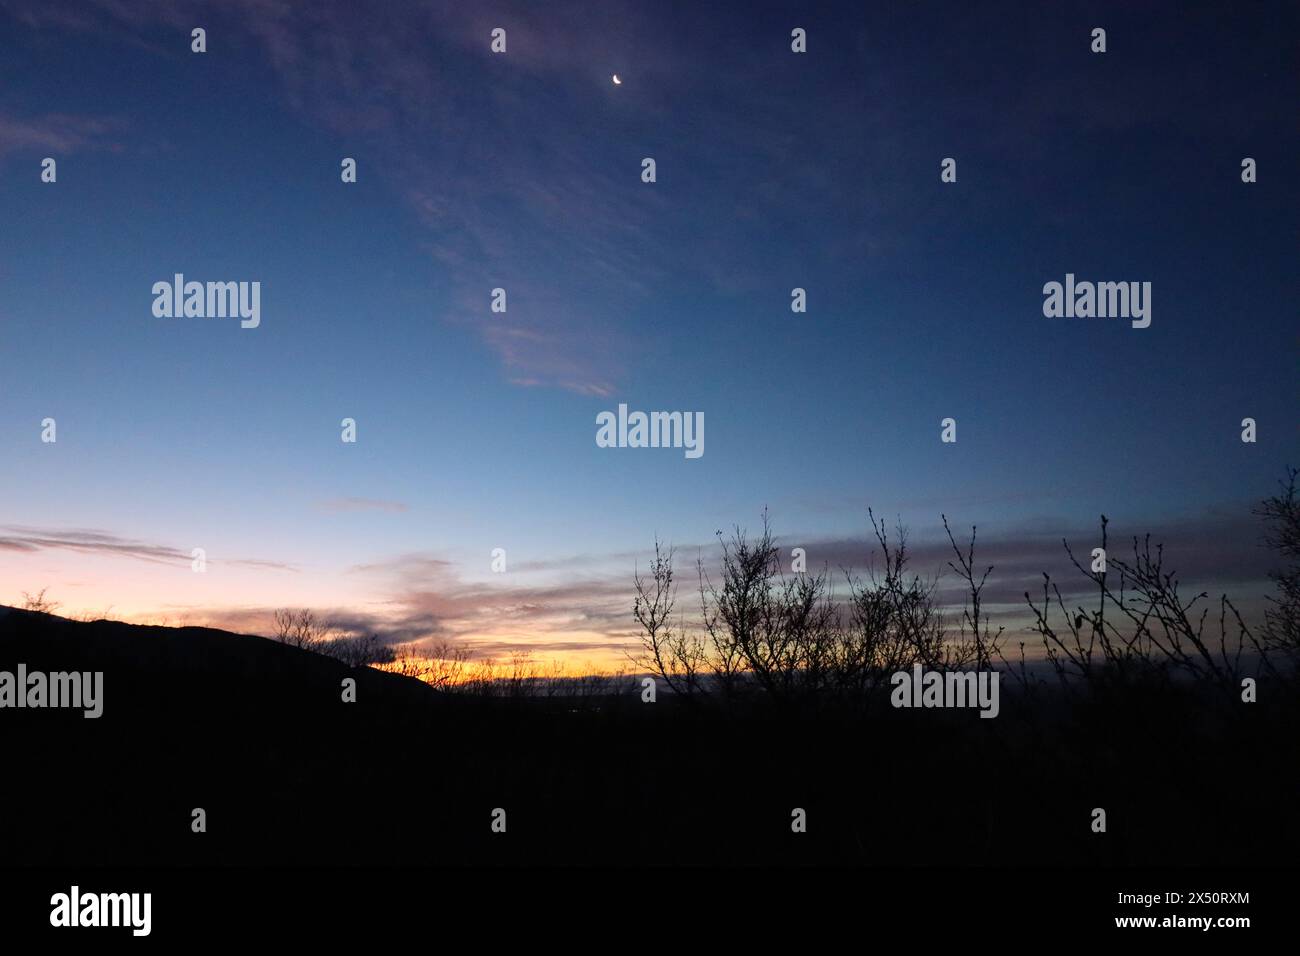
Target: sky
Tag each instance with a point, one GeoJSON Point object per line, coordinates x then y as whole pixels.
{"type": "Point", "coordinates": [522, 170]}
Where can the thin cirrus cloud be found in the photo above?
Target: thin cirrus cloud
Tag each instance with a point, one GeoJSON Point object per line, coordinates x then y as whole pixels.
{"type": "Point", "coordinates": [390, 84]}
{"type": "Point", "coordinates": [23, 539]}
{"type": "Point", "coordinates": [498, 201]}
{"type": "Point", "coordinates": [493, 214]}
{"type": "Point", "coordinates": [426, 597]}
{"type": "Point", "coordinates": [57, 132]}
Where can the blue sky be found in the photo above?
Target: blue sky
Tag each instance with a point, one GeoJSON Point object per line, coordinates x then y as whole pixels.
{"type": "Point", "coordinates": [522, 170]}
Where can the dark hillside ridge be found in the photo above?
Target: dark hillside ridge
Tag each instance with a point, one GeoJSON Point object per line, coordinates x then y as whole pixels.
{"type": "Point", "coordinates": [256, 734]}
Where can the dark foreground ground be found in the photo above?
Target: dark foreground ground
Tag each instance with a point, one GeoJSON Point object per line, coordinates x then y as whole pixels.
{"type": "Point", "coordinates": [255, 733]}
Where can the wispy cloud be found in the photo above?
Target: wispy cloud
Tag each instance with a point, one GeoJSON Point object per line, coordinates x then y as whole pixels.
{"type": "Point", "coordinates": [561, 221]}
{"type": "Point", "coordinates": [57, 133]}
{"type": "Point", "coordinates": [21, 538]}
{"type": "Point", "coordinates": [428, 597]}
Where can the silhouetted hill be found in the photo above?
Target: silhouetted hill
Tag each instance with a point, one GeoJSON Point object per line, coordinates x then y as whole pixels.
{"type": "Point", "coordinates": [253, 731]}
{"type": "Point", "coordinates": [257, 735]}
{"type": "Point", "coordinates": [208, 660]}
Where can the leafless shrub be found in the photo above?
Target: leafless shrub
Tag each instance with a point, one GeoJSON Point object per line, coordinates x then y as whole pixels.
{"type": "Point", "coordinates": [896, 617]}
{"type": "Point", "coordinates": [974, 635]}
{"type": "Point", "coordinates": [39, 603]}
{"type": "Point", "coordinates": [302, 629]}
{"type": "Point", "coordinates": [792, 637]}
{"type": "Point", "coordinates": [408, 662]}
{"type": "Point", "coordinates": [447, 663]}
{"type": "Point", "coordinates": [1154, 630]}
{"type": "Point", "coordinates": [356, 650]}
{"type": "Point", "coordinates": [1280, 634]}
{"type": "Point", "coordinates": [672, 653]}
{"type": "Point", "coordinates": [778, 631]}
{"type": "Point", "coordinates": [90, 617]}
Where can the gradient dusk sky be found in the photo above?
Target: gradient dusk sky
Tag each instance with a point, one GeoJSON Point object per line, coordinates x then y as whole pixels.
{"type": "Point", "coordinates": [522, 171]}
